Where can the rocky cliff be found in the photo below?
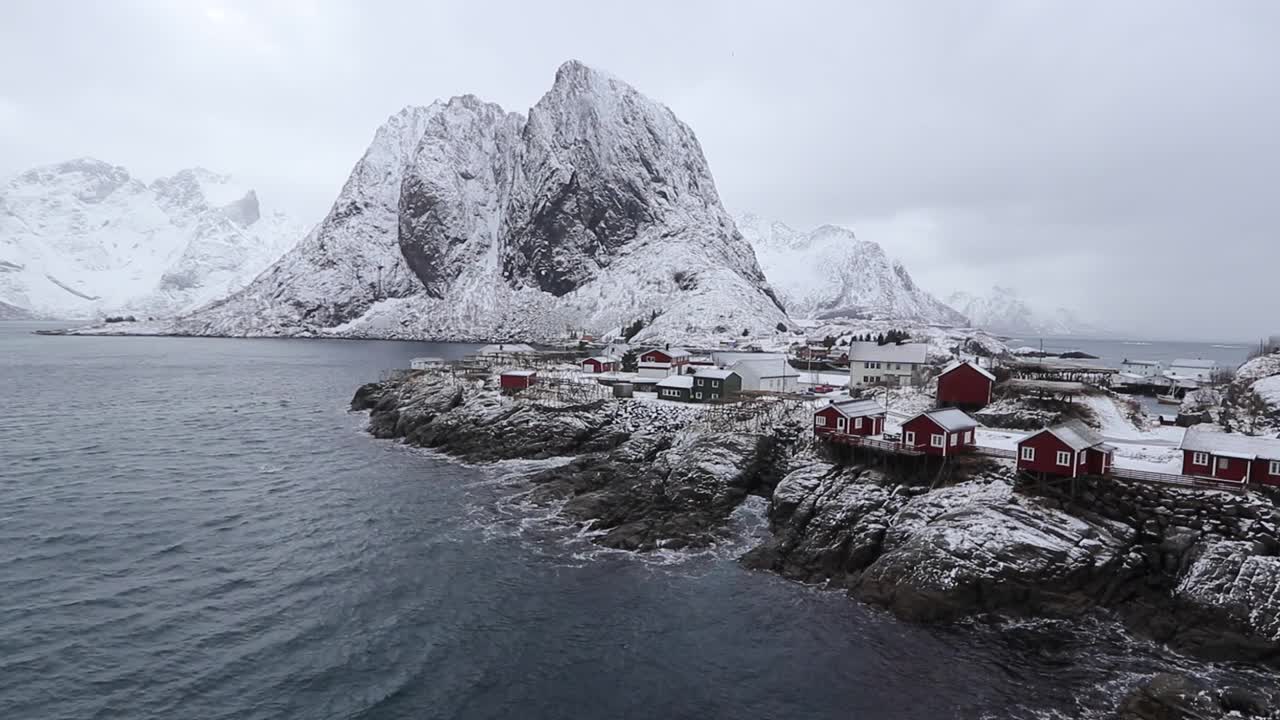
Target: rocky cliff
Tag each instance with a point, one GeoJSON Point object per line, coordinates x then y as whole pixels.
{"type": "Point", "coordinates": [464, 221]}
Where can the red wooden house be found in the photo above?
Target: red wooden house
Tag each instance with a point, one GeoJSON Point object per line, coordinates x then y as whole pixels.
{"type": "Point", "coordinates": [1237, 458]}
{"type": "Point", "coordinates": [849, 417]}
{"type": "Point", "coordinates": [601, 364]}
{"type": "Point", "coordinates": [671, 357]}
{"type": "Point", "coordinates": [965, 385]}
{"type": "Point", "coordinates": [1070, 449]}
{"type": "Point", "coordinates": [514, 380]}
{"type": "Point", "coordinates": [942, 432]}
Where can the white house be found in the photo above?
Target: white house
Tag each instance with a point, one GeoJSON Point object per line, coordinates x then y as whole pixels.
{"type": "Point", "coordinates": [873, 364]}
{"type": "Point", "coordinates": [1141, 368]}
{"type": "Point", "coordinates": [771, 373]}
{"type": "Point", "coordinates": [1198, 370]}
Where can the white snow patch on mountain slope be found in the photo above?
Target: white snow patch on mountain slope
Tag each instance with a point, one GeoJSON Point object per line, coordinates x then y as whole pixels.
{"type": "Point", "coordinates": [828, 272]}
{"type": "Point", "coordinates": [84, 237]}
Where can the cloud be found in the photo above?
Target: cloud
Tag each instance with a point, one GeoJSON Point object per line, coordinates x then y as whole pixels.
{"type": "Point", "coordinates": [1118, 158]}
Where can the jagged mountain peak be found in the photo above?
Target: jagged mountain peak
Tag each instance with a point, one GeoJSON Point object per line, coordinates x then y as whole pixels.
{"type": "Point", "coordinates": [85, 237]}
{"type": "Point", "coordinates": [464, 220]}
{"type": "Point", "coordinates": [1002, 309]}
{"type": "Point", "coordinates": [829, 273]}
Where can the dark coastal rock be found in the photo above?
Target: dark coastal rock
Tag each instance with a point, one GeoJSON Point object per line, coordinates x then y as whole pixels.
{"type": "Point", "coordinates": [1170, 697]}
{"type": "Point", "coordinates": [1227, 603]}
{"type": "Point", "coordinates": [658, 490]}
{"type": "Point", "coordinates": [978, 549]}
{"type": "Point", "coordinates": [828, 523]}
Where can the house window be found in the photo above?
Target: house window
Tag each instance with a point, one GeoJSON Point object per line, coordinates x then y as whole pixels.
{"type": "Point", "coordinates": [819, 421]}
{"type": "Point", "coordinates": [969, 437]}
{"type": "Point", "coordinates": [698, 395]}
{"type": "Point", "coordinates": [909, 437]}
{"type": "Point", "coordinates": [700, 381]}
{"type": "Point", "coordinates": [715, 396]}
{"type": "Point", "coordinates": [1028, 453]}
{"type": "Point", "coordinates": [955, 440]}
{"type": "Point", "coordinates": [1223, 463]}
{"type": "Point", "coordinates": [937, 440]}
{"type": "Point", "coordinates": [1064, 458]}
{"type": "Point", "coordinates": [1274, 469]}
{"type": "Point", "coordinates": [1200, 458]}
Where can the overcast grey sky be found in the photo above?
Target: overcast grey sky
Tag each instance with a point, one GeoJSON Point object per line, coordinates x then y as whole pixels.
{"type": "Point", "coordinates": [1121, 159]}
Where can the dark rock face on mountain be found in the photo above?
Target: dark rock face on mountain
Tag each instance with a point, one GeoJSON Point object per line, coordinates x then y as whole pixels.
{"type": "Point", "coordinates": [464, 221]}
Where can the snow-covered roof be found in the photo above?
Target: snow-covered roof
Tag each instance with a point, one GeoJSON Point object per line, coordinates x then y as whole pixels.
{"type": "Point", "coordinates": [858, 408]}
{"type": "Point", "coordinates": [914, 353]}
{"type": "Point", "coordinates": [520, 373]}
{"type": "Point", "coordinates": [714, 374]}
{"type": "Point", "coordinates": [767, 368]}
{"type": "Point", "coordinates": [957, 363]}
{"type": "Point", "coordinates": [1144, 363]}
{"type": "Point", "coordinates": [602, 359]}
{"type": "Point", "coordinates": [1196, 363]}
{"type": "Point", "coordinates": [1074, 434]}
{"type": "Point", "coordinates": [1248, 447]}
{"type": "Point", "coordinates": [676, 381]}
{"type": "Point", "coordinates": [949, 419]}
{"type": "Point", "coordinates": [506, 348]}
{"type": "Point", "coordinates": [672, 353]}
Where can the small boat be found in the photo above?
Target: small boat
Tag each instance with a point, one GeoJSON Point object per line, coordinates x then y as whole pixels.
{"type": "Point", "coordinates": [1168, 400]}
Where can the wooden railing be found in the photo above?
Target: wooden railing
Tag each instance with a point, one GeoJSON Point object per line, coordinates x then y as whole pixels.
{"type": "Point", "coordinates": [873, 443]}
{"type": "Point", "coordinates": [1174, 479]}
{"type": "Point", "coordinates": [995, 452]}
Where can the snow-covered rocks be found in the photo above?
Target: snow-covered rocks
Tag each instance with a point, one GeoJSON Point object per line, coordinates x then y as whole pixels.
{"type": "Point", "coordinates": [829, 273]}
{"type": "Point", "coordinates": [1230, 599]}
{"type": "Point", "coordinates": [466, 222]}
{"type": "Point", "coordinates": [84, 238]}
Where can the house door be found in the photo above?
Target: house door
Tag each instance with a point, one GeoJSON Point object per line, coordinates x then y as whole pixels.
{"type": "Point", "coordinates": [839, 424]}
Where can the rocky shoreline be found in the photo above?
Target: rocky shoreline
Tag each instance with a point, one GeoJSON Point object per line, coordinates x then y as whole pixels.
{"type": "Point", "coordinates": [1196, 570]}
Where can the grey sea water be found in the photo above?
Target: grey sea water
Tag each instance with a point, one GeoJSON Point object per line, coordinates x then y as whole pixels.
{"type": "Point", "coordinates": [197, 528]}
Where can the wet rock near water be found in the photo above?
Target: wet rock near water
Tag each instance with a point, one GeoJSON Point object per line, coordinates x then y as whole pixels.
{"type": "Point", "coordinates": [1169, 696]}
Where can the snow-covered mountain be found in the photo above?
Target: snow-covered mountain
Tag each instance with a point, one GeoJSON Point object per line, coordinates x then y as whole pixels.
{"type": "Point", "coordinates": [83, 238]}
{"type": "Point", "coordinates": [464, 221]}
{"type": "Point", "coordinates": [1002, 310]}
{"type": "Point", "coordinates": [829, 273]}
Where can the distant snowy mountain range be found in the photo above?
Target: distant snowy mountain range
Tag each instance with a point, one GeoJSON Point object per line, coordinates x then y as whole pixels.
{"type": "Point", "coordinates": [84, 238]}
{"type": "Point", "coordinates": [1002, 310]}
{"type": "Point", "coordinates": [828, 274]}
{"type": "Point", "coordinates": [463, 221]}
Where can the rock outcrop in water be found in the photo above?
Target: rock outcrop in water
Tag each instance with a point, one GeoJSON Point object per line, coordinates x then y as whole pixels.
{"type": "Point", "coordinates": [1199, 570]}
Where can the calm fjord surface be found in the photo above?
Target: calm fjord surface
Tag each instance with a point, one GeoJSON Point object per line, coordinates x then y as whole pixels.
{"type": "Point", "coordinates": [197, 528]}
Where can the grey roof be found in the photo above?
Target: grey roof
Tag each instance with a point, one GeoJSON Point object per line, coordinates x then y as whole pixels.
{"type": "Point", "coordinates": [1075, 434]}
{"type": "Point", "coordinates": [676, 381]}
{"type": "Point", "coordinates": [858, 408]}
{"type": "Point", "coordinates": [949, 419]}
{"type": "Point", "coordinates": [520, 373]}
{"type": "Point", "coordinates": [1196, 363]}
{"type": "Point", "coordinates": [768, 368]}
{"type": "Point", "coordinates": [915, 353]}
{"type": "Point", "coordinates": [1198, 439]}
{"type": "Point", "coordinates": [957, 363]}
{"type": "Point", "coordinates": [714, 374]}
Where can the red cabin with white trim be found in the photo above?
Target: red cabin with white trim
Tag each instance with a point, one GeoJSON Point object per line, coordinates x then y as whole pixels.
{"type": "Point", "coordinates": [1235, 458]}
{"type": "Point", "coordinates": [963, 384]}
{"type": "Point", "coordinates": [601, 364]}
{"type": "Point", "coordinates": [513, 380]}
{"type": "Point", "coordinates": [1070, 449]}
{"type": "Point", "coordinates": [849, 417]}
{"type": "Point", "coordinates": [944, 432]}
{"type": "Point", "coordinates": [673, 357]}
